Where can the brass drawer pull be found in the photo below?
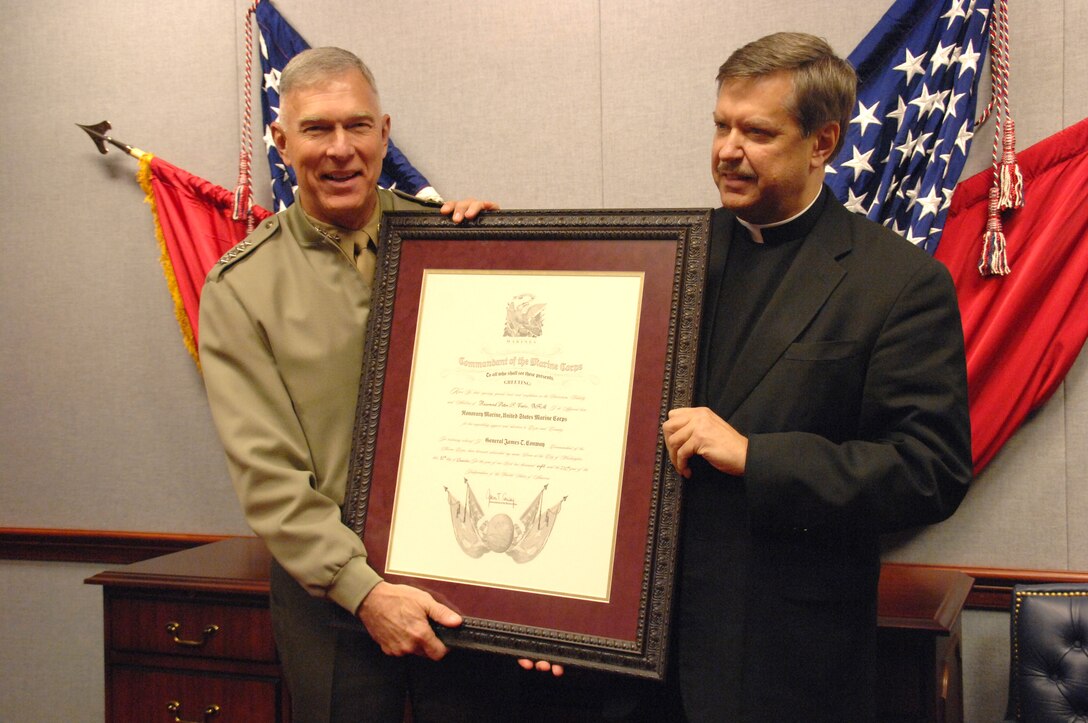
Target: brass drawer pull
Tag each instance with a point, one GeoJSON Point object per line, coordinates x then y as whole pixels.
{"type": "Point", "coordinates": [174, 627]}
{"type": "Point", "coordinates": [173, 707]}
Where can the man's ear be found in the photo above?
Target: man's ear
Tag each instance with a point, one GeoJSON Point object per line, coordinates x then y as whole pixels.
{"type": "Point", "coordinates": [279, 137]}
{"type": "Point", "coordinates": [386, 124]}
{"type": "Point", "coordinates": [826, 138]}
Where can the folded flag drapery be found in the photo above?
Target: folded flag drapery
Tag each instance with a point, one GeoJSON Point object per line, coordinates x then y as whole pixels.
{"type": "Point", "coordinates": [1025, 330]}
{"type": "Point", "coordinates": [194, 227]}
{"type": "Point", "coordinates": [905, 147]}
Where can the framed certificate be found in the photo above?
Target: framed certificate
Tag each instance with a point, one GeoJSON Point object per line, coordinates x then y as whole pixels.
{"type": "Point", "coordinates": [507, 454]}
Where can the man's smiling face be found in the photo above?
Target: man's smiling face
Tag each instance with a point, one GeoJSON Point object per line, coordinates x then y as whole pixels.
{"type": "Point", "coordinates": [335, 136]}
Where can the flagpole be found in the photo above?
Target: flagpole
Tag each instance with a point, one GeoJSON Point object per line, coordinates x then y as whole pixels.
{"type": "Point", "coordinates": [97, 132]}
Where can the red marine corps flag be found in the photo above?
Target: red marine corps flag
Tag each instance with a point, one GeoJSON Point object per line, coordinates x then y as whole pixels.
{"type": "Point", "coordinates": [194, 226]}
{"type": "Point", "coordinates": [1023, 330]}
{"type": "Point", "coordinates": [918, 73]}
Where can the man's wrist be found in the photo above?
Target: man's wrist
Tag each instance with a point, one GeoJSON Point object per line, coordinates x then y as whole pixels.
{"type": "Point", "coordinates": [353, 583]}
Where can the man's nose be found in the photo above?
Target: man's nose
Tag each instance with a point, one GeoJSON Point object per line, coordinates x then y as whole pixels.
{"type": "Point", "coordinates": [729, 147]}
{"type": "Point", "coordinates": [339, 144]}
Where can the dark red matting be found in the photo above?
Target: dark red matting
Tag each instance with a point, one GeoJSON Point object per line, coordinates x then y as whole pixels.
{"type": "Point", "coordinates": [656, 258]}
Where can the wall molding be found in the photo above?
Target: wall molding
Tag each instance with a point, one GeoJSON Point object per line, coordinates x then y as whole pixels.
{"type": "Point", "coordinates": [992, 589]}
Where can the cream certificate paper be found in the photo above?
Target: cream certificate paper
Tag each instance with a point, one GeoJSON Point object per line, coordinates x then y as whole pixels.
{"type": "Point", "coordinates": [514, 442]}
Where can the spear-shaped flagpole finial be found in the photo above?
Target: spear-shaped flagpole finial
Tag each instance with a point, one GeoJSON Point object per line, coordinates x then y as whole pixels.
{"type": "Point", "coordinates": [97, 132]}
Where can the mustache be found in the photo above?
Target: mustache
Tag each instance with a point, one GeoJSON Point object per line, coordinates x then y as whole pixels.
{"type": "Point", "coordinates": [727, 169]}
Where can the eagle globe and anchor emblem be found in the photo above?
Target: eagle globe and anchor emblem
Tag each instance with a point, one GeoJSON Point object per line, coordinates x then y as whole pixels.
{"type": "Point", "coordinates": [522, 540]}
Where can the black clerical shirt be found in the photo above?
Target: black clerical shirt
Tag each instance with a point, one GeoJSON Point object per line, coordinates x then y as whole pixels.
{"type": "Point", "coordinates": [749, 279]}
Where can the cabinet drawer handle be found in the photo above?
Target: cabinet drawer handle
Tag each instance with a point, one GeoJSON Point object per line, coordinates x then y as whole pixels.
{"type": "Point", "coordinates": [174, 627]}
{"type": "Point", "coordinates": [173, 707]}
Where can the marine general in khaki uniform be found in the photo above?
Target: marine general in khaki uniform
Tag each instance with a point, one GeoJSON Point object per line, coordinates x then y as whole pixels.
{"type": "Point", "coordinates": [282, 324]}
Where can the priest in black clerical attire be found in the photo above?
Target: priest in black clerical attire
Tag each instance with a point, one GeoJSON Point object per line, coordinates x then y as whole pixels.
{"type": "Point", "coordinates": [831, 408]}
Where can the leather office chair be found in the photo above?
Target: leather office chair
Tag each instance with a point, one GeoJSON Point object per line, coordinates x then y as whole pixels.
{"type": "Point", "coordinates": [1048, 675]}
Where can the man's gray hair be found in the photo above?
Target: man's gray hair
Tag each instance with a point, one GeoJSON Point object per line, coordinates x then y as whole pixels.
{"type": "Point", "coordinates": [315, 65]}
{"type": "Point", "coordinates": [824, 85]}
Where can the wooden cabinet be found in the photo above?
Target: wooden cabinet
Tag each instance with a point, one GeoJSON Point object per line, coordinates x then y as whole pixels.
{"type": "Point", "coordinates": [188, 637]}
{"type": "Point", "coordinates": [919, 668]}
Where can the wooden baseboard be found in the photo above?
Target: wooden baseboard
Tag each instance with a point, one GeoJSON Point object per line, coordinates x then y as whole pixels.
{"type": "Point", "coordinates": [93, 546]}
{"type": "Point", "coordinates": [992, 589]}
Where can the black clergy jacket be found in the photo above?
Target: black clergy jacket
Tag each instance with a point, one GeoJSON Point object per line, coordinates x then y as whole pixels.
{"type": "Point", "coordinates": [852, 391]}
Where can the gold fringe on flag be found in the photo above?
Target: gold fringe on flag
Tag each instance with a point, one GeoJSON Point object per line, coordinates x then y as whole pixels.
{"type": "Point", "coordinates": [143, 175]}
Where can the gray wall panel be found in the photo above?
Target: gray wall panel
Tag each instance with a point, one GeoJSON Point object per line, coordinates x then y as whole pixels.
{"type": "Point", "coordinates": [985, 666]}
{"type": "Point", "coordinates": [51, 644]}
{"type": "Point", "coordinates": [105, 422]}
{"type": "Point", "coordinates": [1076, 432]}
{"type": "Point", "coordinates": [1074, 61]}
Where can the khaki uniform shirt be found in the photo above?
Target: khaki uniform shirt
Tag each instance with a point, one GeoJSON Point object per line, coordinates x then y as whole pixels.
{"type": "Point", "coordinates": [282, 330]}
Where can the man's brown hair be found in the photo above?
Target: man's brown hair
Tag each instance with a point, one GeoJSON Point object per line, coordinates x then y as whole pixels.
{"type": "Point", "coordinates": [824, 85]}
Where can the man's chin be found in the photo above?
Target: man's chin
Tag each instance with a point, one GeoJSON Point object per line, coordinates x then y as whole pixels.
{"type": "Point", "coordinates": [734, 201]}
{"type": "Point", "coordinates": [348, 215]}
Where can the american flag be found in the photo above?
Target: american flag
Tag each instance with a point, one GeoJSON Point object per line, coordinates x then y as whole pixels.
{"type": "Point", "coordinates": [918, 72]}
{"type": "Point", "coordinates": [279, 43]}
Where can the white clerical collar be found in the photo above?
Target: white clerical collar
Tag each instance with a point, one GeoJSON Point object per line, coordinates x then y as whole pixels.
{"type": "Point", "coordinates": [756, 229]}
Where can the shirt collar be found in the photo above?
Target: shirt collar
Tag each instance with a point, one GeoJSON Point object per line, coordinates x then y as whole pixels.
{"type": "Point", "coordinates": [791, 228]}
{"type": "Point", "coordinates": [350, 239]}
